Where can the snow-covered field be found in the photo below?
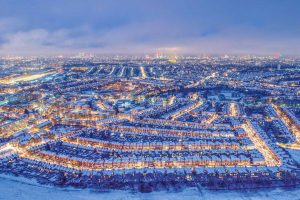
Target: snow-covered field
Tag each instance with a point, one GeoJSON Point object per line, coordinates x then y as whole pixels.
{"type": "Point", "coordinates": [295, 154]}
{"type": "Point", "coordinates": [20, 190]}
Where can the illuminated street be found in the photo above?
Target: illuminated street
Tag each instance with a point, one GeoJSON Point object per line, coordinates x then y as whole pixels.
{"type": "Point", "coordinates": [83, 122]}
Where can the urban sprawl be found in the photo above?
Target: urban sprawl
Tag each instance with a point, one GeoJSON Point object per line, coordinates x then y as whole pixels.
{"type": "Point", "coordinates": [146, 123]}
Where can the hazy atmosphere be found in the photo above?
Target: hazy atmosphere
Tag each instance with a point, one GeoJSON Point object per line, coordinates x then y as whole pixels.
{"type": "Point", "coordinates": [137, 27]}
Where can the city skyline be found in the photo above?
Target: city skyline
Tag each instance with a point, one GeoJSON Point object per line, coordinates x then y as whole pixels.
{"type": "Point", "coordinates": [135, 27]}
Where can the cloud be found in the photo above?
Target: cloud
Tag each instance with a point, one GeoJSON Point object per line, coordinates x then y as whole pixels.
{"type": "Point", "coordinates": [137, 39]}
{"type": "Point", "coordinates": [137, 27]}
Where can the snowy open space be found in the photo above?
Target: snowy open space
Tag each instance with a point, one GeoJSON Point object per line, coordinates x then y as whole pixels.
{"type": "Point", "coordinates": [20, 190]}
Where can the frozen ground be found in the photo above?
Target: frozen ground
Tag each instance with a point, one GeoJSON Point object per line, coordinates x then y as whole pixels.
{"type": "Point", "coordinates": [19, 190]}
{"type": "Point", "coordinates": [295, 154]}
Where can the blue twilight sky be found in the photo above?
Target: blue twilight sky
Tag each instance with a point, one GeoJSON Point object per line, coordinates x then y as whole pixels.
{"type": "Point", "coordinates": [144, 26]}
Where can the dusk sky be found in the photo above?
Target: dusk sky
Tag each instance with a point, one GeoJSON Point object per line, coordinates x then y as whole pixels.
{"type": "Point", "coordinates": [32, 27]}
